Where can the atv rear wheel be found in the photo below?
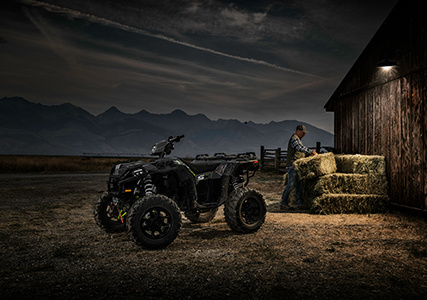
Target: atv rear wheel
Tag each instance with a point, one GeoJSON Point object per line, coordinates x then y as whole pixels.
{"type": "Point", "coordinates": [245, 210]}
{"type": "Point", "coordinates": [107, 215]}
{"type": "Point", "coordinates": [201, 216]}
{"type": "Point", "coordinates": [154, 222]}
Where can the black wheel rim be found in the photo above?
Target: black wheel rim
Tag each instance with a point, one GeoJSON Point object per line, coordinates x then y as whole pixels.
{"type": "Point", "coordinates": [251, 211]}
{"type": "Point", "coordinates": [156, 223]}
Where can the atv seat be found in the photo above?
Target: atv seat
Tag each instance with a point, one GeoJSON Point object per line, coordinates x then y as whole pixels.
{"type": "Point", "coordinates": [205, 166]}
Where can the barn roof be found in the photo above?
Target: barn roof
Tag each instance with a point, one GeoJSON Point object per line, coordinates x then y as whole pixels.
{"type": "Point", "coordinates": [401, 35]}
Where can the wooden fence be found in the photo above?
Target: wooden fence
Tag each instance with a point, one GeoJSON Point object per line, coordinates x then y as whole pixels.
{"type": "Point", "coordinates": [276, 158]}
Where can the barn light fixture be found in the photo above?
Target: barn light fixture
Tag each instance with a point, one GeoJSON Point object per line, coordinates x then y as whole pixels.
{"type": "Point", "coordinates": [386, 64]}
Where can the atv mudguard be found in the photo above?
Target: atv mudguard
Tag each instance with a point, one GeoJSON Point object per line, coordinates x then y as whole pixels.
{"type": "Point", "coordinates": [121, 169]}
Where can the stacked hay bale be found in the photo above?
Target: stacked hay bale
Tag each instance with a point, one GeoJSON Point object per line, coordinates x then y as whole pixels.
{"type": "Point", "coordinates": [360, 164]}
{"type": "Point", "coordinates": [315, 166]}
{"type": "Point", "coordinates": [344, 183]}
{"type": "Point", "coordinates": [308, 169]}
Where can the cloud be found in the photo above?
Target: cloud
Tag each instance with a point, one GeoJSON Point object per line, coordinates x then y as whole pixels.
{"type": "Point", "coordinates": [246, 22]}
{"type": "Point", "coordinates": [251, 60]}
{"type": "Point", "coordinates": [349, 24]}
{"type": "Point", "coordinates": [235, 16]}
{"type": "Point", "coordinates": [52, 35]}
{"type": "Point", "coordinates": [192, 8]}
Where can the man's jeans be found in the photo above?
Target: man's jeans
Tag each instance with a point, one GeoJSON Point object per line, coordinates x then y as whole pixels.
{"type": "Point", "coordinates": [293, 181]}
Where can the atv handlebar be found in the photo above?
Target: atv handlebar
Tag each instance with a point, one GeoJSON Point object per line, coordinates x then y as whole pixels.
{"type": "Point", "coordinates": [164, 147]}
{"type": "Point", "coordinates": [173, 139]}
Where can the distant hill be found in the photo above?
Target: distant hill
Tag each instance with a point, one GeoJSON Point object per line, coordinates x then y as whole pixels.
{"type": "Point", "coordinates": [30, 128]}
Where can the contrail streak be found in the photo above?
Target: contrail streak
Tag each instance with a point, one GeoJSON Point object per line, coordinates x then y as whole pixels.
{"type": "Point", "coordinates": [103, 21]}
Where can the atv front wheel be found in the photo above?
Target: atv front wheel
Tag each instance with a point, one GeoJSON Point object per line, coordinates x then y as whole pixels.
{"type": "Point", "coordinates": [201, 216]}
{"type": "Point", "coordinates": [107, 214]}
{"type": "Point", "coordinates": [154, 222]}
{"type": "Point", "coordinates": [245, 210]}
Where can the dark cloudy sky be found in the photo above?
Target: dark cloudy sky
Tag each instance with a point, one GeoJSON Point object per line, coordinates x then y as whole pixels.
{"type": "Point", "coordinates": [248, 60]}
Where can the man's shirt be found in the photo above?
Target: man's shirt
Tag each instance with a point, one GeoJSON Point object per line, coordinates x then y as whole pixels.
{"type": "Point", "coordinates": [298, 146]}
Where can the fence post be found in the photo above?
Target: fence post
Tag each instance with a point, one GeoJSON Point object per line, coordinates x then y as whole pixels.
{"type": "Point", "coordinates": [277, 159]}
{"type": "Point", "coordinates": [318, 147]}
{"type": "Point", "coordinates": [262, 154]}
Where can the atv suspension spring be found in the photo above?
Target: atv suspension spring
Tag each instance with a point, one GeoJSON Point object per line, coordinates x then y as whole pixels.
{"type": "Point", "coordinates": [235, 183]}
{"type": "Point", "coordinates": [148, 185]}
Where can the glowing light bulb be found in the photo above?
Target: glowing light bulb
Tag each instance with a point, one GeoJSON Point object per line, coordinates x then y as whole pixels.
{"type": "Point", "coordinates": [386, 64]}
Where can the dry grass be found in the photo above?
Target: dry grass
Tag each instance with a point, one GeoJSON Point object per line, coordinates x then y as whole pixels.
{"type": "Point", "coordinates": [51, 248]}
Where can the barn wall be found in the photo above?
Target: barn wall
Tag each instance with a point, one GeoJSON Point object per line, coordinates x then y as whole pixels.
{"type": "Point", "coordinates": [385, 113]}
{"type": "Point", "coordinates": [390, 120]}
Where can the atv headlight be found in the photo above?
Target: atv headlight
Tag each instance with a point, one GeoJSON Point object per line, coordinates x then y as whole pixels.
{"type": "Point", "coordinates": [153, 150]}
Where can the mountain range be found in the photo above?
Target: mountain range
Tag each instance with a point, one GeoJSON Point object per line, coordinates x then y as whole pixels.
{"type": "Point", "coordinates": [31, 128]}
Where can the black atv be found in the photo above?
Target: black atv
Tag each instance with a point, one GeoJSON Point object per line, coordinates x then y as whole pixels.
{"type": "Point", "coordinates": [146, 199]}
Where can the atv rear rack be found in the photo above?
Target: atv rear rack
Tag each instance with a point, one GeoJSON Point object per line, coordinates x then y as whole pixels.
{"type": "Point", "coordinates": [223, 156]}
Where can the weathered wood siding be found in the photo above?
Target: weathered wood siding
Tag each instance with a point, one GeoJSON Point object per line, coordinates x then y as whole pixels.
{"type": "Point", "coordinates": [390, 120]}
{"type": "Point", "coordinates": [385, 113]}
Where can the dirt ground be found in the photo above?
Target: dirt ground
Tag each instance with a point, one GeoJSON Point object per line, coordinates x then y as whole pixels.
{"type": "Point", "coordinates": [51, 248]}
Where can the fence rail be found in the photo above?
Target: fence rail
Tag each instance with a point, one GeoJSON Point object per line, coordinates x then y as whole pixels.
{"type": "Point", "coordinates": [276, 158]}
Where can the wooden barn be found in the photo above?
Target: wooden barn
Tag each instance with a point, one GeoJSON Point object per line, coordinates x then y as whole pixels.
{"type": "Point", "coordinates": [380, 107]}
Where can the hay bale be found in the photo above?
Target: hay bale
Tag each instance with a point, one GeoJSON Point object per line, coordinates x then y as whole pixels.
{"type": "Point", "coordinates": [309, 193]}
{"type": "Point", "coordinates": [350, 204]}
{"type": "Point", "coordinates": [360, 164]}
{"type": "Point", "coordinates": [339, 183]}
{"type": "Point", "coordinates": [315, 166]}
